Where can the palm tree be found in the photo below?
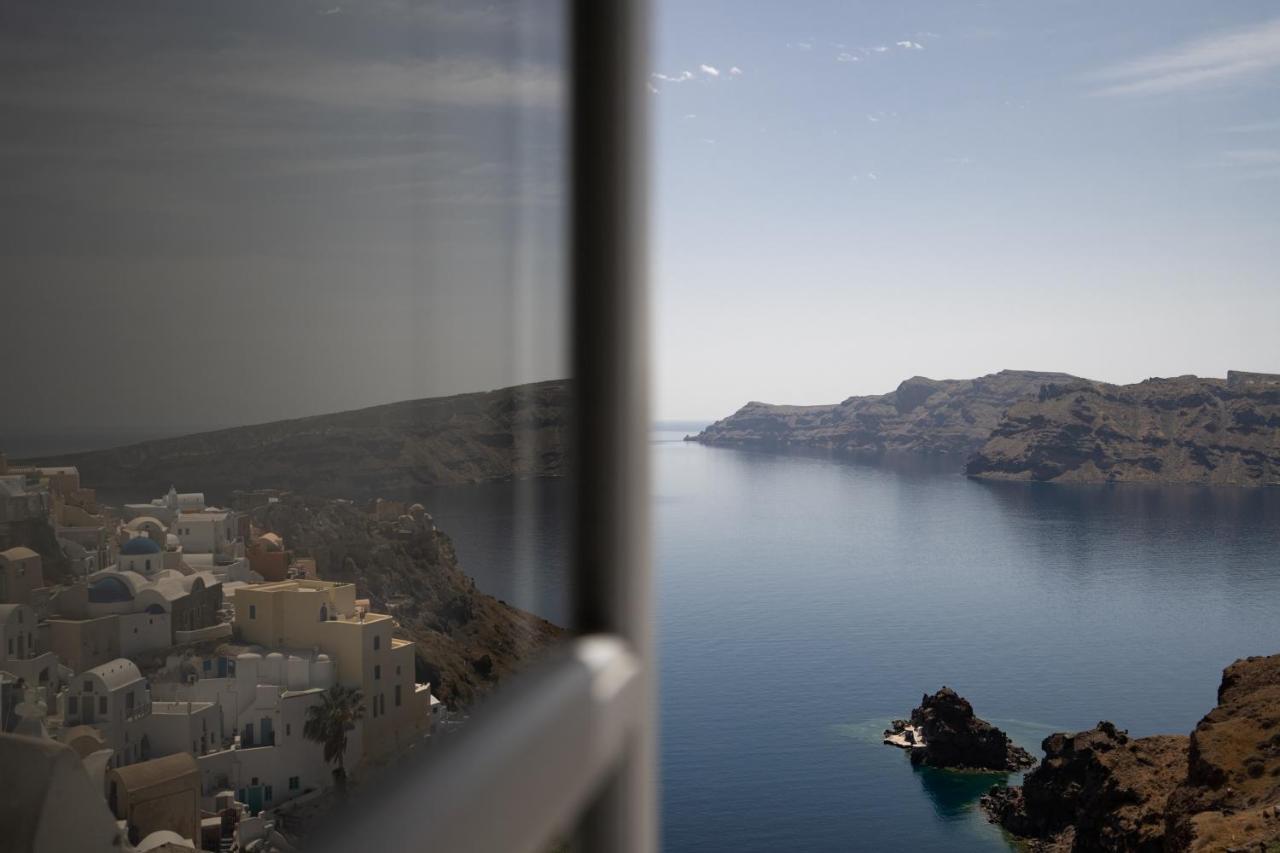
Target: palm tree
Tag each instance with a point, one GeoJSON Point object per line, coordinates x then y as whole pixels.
{"type": "Point", "coordinates": [328, 722]}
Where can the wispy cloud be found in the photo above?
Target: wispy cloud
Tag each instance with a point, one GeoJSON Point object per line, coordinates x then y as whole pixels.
{"type": "Point", "coordinates": [334, 11]}
{"type": "Point", "coordinates": [709, 70]}
{"type": "Point", "coordinates": [800, 45]}
{"type": "Point", "coordinates": [1213, 60]}
{"type": "Point", "coordinates": [910, 45]}
{"type": "Point", "coordinates": [846, 56]}
{"type": "Point", "coordinates": [1253, 127]}
{"type": "Point", "coordinates": [735, 71]}
{"type": "Point", "coordinates": [1255, 156]}
{"type": "Point", "coordinates": [681, 77]}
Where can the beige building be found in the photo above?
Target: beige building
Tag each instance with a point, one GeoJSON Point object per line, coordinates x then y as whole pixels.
{"type": "Point", "coordinates": [21, 573]}
{"type": "Point", "coordinates": [161, 794]}
{"type": "Point", "coordinates": [305, 614]}
{"type": "Point", "coordinates": [85, 643]}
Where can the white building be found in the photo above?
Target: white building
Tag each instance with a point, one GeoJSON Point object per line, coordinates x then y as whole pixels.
{"type": "Point", "coordinates": [114, 699]}
{"type": "Point", "coordinates": [185, 726]}
{"type": "Point", "coordinates": [168, 507]}
{"type": "Point", "coordinates": [264, 708]}
{"type": "Point", "coordinates": [210, 531]}
{"type": "Point", "coordinates": [20, 654]}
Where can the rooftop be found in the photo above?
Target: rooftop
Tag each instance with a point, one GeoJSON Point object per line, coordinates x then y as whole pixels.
{"type": "Point", "coordinates": [145, 774]}
{"type": "Point", "coordinates": [205, 514]}
{"type": "Point", "coordinates": [303, 585]}
{"type": "Point", "coordinates": [117, 673]}
{"type": "Point", "coordinates": [178, 706]}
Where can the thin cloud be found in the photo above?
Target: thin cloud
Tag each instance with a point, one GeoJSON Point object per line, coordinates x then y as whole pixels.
{"type": "Point", "coordinates": [682, 77]}
{"type": "Point", "coordinates": [336, 10]}
{"type": "Point", "coordinates": [735, 71]}
{"type": "Point", "coordinates": [1213, 60]}
{"type": "Point", "coordinates": [1255, 156]}
{"type": "Point", "coordinates": [845, 56]}
{"type": "Point", "coordinates": [709, 70]}
{"type": "Point", "coordinates": [1253, 127]}
{"type": "Point", "coordinates": [800, 45]}
{"type": "Point", "coordinates": [910, 45]}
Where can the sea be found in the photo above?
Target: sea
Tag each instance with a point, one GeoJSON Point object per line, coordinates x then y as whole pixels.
{"type": "Point", "coordinates": [803, 602]}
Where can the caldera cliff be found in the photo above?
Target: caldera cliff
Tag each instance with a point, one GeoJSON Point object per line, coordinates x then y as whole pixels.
{"type": "Point", "coordinates": [1215, 790]}
{"type": "Point", "coordinates": [1043, 427]}
{"type": "Point", "coordinates": [1181, 430]}
{"type": "Point", "coordinates": [923, 416]}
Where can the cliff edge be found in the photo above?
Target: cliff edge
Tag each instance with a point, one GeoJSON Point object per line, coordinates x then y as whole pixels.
{"type": "Point", "coordinates": [1181, 430]}
{"type": "Point", "coordinates": [938, 417]}
{"type": "Point", "coordinates": [1215, 790]}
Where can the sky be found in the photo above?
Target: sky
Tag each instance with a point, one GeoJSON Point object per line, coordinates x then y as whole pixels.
{"type": "Point", "coordinates": [847, 194]}
{"type": "Point", "coordinates": [235, 212]}
{"type": "Point", "coordinates": [218, 213]}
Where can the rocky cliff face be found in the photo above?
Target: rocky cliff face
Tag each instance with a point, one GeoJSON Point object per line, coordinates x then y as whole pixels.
{"type": "Point", "coordinates": [923, 416]}
{"type": "Point", "coordinates": [1217, 790]}
{"type": "Point", "coordinates": [1180, 430]}
{"type": "Point", "coordinates": [467, 641]}
{"type": "Point", "coordinates": [955, 737]}
{"type": "Point", "coordinates": [385, 450]}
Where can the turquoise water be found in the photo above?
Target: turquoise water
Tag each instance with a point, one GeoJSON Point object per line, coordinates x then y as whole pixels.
{"type": "Point", "coordinates": [804, 602]}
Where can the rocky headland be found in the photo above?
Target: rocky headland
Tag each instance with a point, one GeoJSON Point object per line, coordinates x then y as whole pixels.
{"type": "Point", "coordinates": [467, 641]}
{"type": "Point", "coordinates": [1043, 427]}
{"type": "Point", "coordinates": [1217, 789]}
{"type": "Point", "coordinates": [944, 732]}
{"type": "Point", "coordinates": [388, 451]}
{"type": "Point", "coordinates": [939, 417]}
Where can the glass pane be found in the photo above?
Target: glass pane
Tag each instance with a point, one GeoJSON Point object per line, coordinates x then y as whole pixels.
{"type": "Point", "coordinates": [286, 391]}
{"type": "Point", "coordinates": [917, 263]}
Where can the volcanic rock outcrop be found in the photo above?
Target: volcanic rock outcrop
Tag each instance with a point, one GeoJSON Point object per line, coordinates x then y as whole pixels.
{"type": "Point", "coordinates": [1180, 430]}
{"type": "Point", "coordinates": [1216, 790]}
{"type": "Point", "coordinates": [936, 417]}
{"type": "Point", "coordinates": [944, 732]}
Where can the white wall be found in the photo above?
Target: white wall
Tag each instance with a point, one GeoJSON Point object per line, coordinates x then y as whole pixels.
{"type": "Point", "coordinates": [182, 727]}
{"type": "Point", "coordinates": [143, 632]}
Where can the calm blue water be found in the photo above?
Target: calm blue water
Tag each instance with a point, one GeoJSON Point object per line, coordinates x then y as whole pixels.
{"type": "Point", "coordinates": [804, 602]}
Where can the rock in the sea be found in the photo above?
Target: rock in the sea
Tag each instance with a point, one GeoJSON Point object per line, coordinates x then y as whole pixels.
{"type": "Point", "coordinates": [955, 737]}
{"type": "Point", "coordinates": [1217, 790]}
{"type": "Point", "coordinates": [1095, 790]}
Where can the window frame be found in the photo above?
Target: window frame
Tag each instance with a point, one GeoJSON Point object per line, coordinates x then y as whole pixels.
{"type": "Point", "coordinates": [567, 747]}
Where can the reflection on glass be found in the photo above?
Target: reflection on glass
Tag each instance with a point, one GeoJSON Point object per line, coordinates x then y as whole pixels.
{"type": "Point", "coordinates": [267, 526]}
